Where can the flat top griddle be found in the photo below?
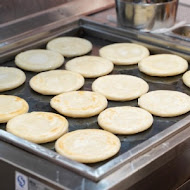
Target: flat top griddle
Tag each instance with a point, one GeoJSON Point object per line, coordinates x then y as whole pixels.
{"type": "Point", "coordinates": [38, 102]}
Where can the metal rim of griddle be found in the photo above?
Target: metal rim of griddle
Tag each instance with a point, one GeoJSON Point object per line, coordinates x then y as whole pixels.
{"type": "Point", "coordinates": [106, 169]}
{"type": "Point", "coordinates": [114, 164]}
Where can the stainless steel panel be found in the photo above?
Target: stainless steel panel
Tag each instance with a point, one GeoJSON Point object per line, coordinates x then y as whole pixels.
{"type": "Point", "coordinates": [45, 16]}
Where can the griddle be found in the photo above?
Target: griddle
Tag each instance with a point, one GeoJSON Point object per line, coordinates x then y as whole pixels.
{"type": "Point", "coordinates": [131, 145]}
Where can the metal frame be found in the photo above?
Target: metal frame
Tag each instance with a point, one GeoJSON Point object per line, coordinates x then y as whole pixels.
{"type": "Point", "coordinates": [103, 171]}
{"type": "Point", "coordinates": [109, 167]}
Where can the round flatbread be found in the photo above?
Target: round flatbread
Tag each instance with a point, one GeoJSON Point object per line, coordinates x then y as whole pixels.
{"type": "Point", "coordinates": [125, 120]}
{"type": "Point", "coordinates": [120, 87]}
{"type": "Point", "coordinates": [163, 65]}
{"type": "Point", "coordinates": [124, 53]}
{"type": "Point", "coordinates": [70, 46]}
{"type": "Point", "coordinates": [11, 106]}
{"type": "Point", "coordinates": [38, 127]}
{"type": "Point", "coordinates": [165, 103]}
{"type": "Point", "coordinates": [39, 60]}
{"type": "Point", "coordinates": [88, 145]}
{"type": "Point", "coordinates": [90, 66]}
{"type": "Point", "coordinates": [186, 78]}
{"type": "Point", "coordinates": [56, 82]}
{"type": "Point", "coordinates": [79, 103]}
{"type": "Point", "coordinates": [11, 78]}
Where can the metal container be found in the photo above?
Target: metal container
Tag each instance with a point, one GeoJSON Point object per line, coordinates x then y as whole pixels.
{"type": "Point", "coordinates": [146, 14]}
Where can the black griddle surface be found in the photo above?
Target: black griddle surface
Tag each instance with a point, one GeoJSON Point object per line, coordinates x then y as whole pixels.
{"type": "Point", "coordinates": [38, 102]}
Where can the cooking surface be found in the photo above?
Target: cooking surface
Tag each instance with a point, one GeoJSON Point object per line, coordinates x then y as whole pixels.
{"type": "Point", "coordinates": [39, 102]}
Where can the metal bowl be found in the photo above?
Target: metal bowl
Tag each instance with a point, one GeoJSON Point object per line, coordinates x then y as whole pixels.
{"type": "Point", "coordinates": [146, 14]}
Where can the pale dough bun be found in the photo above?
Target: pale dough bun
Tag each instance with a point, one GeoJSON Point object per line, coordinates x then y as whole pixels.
{"type": "Point", "coordinates": [90, 66]}
{"type": "Point", "coordinates": [120, 87]}
{"type": "Point", "coordinates": [165, 103]}
{"type": "Point", "coordinates": [70, 46]}
{"type": "Point", "coordinates": [88, 145]}
{"type": "Point", "coordinates": [38, 60]}
{"type": "Point", "coordinates": [11, 78]}
{"type": "Point", "coordinates": [186, 78]}
{"type": "Point", "coordinates": [56, 82]}
{"type": "Point", "coordinates": [125, 120]}
{"type": "Point", "coordinates": [38, 127]}
{"type": "Point", "coordinates": [124, 53]}
{"type": "Point", "coordinates": [11, 106]}
{"type": "Point", "coordinates": [79, 104]}
{"type": "Point", "coordinates": [163, 65]}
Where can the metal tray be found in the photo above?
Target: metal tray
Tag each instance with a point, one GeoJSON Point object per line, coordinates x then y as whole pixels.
{"type": "Point", "coordinates": [132, 146]}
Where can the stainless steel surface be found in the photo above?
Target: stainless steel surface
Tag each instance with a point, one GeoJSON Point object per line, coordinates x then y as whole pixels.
{"type": "Point", "coordinates": [166, 166]}
{"type": "Point", "coordinates": [66, 12]}
{"type": "Point", "coordinates": [133, 146]}
{"type": "Point", "coordinates": [12, 10]}
{"type": "Point", "coordinates": [160, 162]}
{"type": "Point", "coordinates": [157, 157]}
{"type": "Point", "coordinates": [146, 14]}
{"type": "Point", "coordinates": [49, 155]}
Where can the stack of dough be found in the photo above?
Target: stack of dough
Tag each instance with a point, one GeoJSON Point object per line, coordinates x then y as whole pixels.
{"type": "Point", "coordinates": [70, 46]}
{"type": "Point", "coordinates": [38, 127]}
{"type": "Point", "coordinates": [79, 104]}
{"type": "Point", "coordinates": [90, 66]}
{"type": "Point", "coordinates": [11, 78]}
{"type": "Point", "coordinates": [124, 53]}
{"type": "Point", "coordinates": [11, 106]}
{"type": "Point", "coordinates": [163, 65]}
{"type": "Point", "coordinates": [56, 82]}
{"type": "Point", "coordinates": [39, 60]}
{"type": "Point", "coordinates": [88, 145]}
{"type": "Point", "coordinates": [120, 87]}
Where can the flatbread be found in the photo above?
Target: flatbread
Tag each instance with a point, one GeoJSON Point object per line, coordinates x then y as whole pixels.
{"type": "Point", "coordinates": [186, 78]}
{"type": "Point", "coordinates": [79, 104]}
{"type": "Point", "coordinates": [11, 106]}
{"type": "Point", "coordinates": [56, 82]}
{"type": "Point", "coordinates": [38, 60]}
{"type": "Point", "coordinates": [90, 66]}
{"type": "Point", "coordinates": [124, 53]}
{"type": "Point", "coordinates": [165, 103]}
{"type": "Point", "coordinates": [125, 120]}
{"type": "Point", "coordinates": [120, 87]}
{"type": "Point", "coordinates": [163, 65]}
{"type": "Point", "coordinates": [11, 78]}
{"type": "Point", "coordinates": [38, 127]}
{"type": "Point", "coordinates": [70, 46]}
{"type": "Point", "coordinates": [88, 145]}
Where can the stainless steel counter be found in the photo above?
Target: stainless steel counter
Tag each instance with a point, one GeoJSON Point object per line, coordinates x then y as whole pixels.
{"type": "Point", "coordinates": [20, 17]}
{"type": "Point", "coordinates": [160, 162]}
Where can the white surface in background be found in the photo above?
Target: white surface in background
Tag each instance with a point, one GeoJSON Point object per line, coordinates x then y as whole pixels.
{"type": "Point", "coordinates": [164, 30]}
{"type": "Point", "coordinates": [183, 13]}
